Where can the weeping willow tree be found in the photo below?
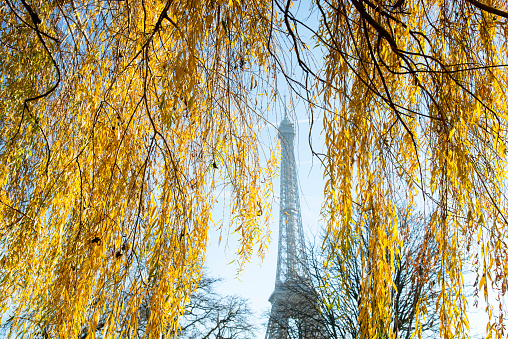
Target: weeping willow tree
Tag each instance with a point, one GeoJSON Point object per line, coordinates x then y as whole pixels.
{"type": "Point", "coordinates": [415, 97]}
{"type": "Point", "coordinates": [120, 118]}
{"type": "Point", "coordinates": [118, 121]}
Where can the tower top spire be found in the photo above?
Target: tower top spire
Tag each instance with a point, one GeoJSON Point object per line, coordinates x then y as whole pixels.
{"type": "Point", "coordinates": [286, 117]}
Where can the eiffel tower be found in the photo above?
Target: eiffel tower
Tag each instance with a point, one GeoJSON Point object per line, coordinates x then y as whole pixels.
{"type": "Point", "coordinates": [294, 312]}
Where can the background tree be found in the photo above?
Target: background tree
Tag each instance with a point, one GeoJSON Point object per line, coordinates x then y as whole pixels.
{"type": "Point", "coordinates": [338, 281]}
{"type": "Point", "coordinates": [342, 283]}
{"type": "Point", "coordinates": [212, 315]}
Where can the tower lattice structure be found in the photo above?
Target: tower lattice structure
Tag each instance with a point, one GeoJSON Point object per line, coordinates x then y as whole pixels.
{"type": "Point", "coordinates": [294, 312]}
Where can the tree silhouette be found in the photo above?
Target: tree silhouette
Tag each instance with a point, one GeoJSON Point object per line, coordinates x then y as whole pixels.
{"type": "Point", "coordinates": [338, 284]}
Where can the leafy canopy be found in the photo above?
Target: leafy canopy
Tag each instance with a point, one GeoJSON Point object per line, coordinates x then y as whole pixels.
{"type": "Point", "coordinates": [118, 121]}
{"type": "Point", "coordinates": [120, 118]}
{"type": "Point", "coordinates": [416, 102]}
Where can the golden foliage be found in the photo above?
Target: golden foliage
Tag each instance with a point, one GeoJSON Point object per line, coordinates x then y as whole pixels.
{"type": "Point", "coordinates": [118, 120]}
{"type": "Point", "coordinates": [416, 97]}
